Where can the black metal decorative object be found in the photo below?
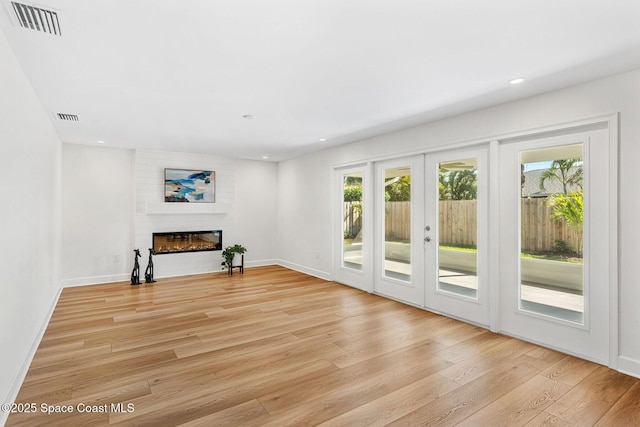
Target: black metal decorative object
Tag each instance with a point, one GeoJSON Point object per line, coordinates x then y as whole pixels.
{"type": "Point", "coordinates": [148, 273]}
{"type": "Point", "coordinates": [135, 274]}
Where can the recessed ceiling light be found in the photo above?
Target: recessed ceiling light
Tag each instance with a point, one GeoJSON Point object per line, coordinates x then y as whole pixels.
{"type": "Point", "coordinates": [516, 81]}
{"type": "Point", "coordinates": [100, 142]}
{"type": "Point", "coordinates": [265, 157]}
{"type": "Point", "coordinates": [322, 139]}
{"type": "Point", "coordinates": [248, 117]}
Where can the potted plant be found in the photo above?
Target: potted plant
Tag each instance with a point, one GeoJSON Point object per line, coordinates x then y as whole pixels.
{"type": "Point", "coordinates": [229, 253]}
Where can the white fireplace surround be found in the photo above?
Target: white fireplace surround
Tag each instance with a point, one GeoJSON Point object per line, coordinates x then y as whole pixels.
{"type": "Point", "coordinates": [153, 215]}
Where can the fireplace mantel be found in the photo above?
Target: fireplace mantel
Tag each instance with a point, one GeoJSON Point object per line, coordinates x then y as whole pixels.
{"type": "Point", "coordinates": [186, 208]}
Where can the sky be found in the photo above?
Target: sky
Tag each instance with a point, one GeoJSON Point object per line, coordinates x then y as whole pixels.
{"type": "Point", "coordinates": [536, 166]}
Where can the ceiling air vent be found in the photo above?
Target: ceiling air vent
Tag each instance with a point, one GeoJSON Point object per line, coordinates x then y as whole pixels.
{"type": "Point", "coordinates": [69, 117]}
{"type": "Point", "coordinates": [36, 18]}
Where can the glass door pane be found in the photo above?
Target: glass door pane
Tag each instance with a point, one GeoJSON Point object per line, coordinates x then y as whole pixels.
{"type": "Point", "coordinates": [352, 220]}
{"type": "Point", "coordinates": [458, 227]}
{"type": "Point", "coordinates": [397, 223]}
{"type": "Point", "coordinates": [551, 232]}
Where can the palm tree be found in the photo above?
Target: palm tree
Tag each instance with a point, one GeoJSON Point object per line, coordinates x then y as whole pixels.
{"type": "Point", "coordinates": [569, 207]}
{"type": "Point", "coordinates": [352, 181]}
{"type": "Point", "coordinates": [458, 185]}
{"type": "Point", "coordinates": [398, 189]}
{"type": "Point", "coordinates": [566, 171]}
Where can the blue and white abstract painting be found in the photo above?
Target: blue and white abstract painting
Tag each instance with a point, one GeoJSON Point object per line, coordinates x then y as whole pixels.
{"type": "Point", "coordinates": [192, 186]}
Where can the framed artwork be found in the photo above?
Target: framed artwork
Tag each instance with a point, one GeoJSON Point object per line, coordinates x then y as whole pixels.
{"type": "Point", "coordinates": [190, 186]}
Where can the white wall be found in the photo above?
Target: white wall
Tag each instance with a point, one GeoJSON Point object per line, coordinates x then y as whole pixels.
{"type": "Point", "coordinates": [105, 192]}
{"type": "Point", "coordinates": [98, 190]}
{"type": "Point", "coordinates": [304, 186]}
{"type": "Point", "coordinates": [255, 210]}
{"type": "Point", "coordinates": [304, 213]}
{"type": "Point", "coordinates": [30, 157]}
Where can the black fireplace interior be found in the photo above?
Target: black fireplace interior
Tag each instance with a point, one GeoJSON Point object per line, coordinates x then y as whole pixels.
{"type": "Point", "coordinates": [187, 241]}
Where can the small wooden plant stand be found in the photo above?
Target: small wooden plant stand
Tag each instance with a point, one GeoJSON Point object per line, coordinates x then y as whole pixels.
{"type": "Point", "coordinates": [239, 267]}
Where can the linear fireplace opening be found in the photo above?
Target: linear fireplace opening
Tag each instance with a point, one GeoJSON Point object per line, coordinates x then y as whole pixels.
{"type": "Point", "coordinates": [187, 241]}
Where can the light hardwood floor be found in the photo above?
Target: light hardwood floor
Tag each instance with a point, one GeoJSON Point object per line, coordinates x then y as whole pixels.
{"type": "Point", "coordinates": [277, 347]}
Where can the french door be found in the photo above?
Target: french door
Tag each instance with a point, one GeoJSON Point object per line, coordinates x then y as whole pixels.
{"type": "Point", "coordinates": [456, 234]}
{"type": "Point", "coordinates": [431, 232]}
{"type": "Point", "coordinates": [353, 226]}
{"type": "Point", "coordinates": [399, 250]}
{"type": "Point", "coordinates": [555, 242]}
{"type": "Point", "coordinates": [546, 273]}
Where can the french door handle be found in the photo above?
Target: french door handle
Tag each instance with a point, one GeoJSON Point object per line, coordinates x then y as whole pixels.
{"type": "Point", "coordinates": [427, 238]}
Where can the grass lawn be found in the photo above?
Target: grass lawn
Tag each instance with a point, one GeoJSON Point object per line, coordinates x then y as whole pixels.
{"type": "Point", "coordinates": [549, 256]}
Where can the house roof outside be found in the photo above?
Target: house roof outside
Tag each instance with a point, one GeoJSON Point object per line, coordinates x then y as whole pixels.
{"type": "Point", "coordinates": [531, 186]}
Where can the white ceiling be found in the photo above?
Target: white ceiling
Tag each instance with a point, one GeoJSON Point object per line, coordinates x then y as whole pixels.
{"type": "Point", "coordinates": [179, 75]}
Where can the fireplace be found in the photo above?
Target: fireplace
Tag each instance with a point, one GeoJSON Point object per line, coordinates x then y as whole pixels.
{"type": "Point", "coordinates": [187, 241]}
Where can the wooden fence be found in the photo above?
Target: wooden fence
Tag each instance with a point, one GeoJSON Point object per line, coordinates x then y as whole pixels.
{"type": "Point", "coordinates": [539, 232]}
{"type": "Point", "coordinates": [352, 221]}
{"type": "Point", "coordinates": [458, 224]}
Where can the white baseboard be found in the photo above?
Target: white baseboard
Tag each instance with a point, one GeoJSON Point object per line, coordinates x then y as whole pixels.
{"type": "Point", "coordinates": [306, 270]}
{"type": "Point", "coordinates": [250, 264]}
{"type": "Point", "coordinates": [94, 280]}
{"type": "Point", "coordinates": [19, 379]}
{"type": "Point", "coordinates": [99, 280]}
{"type": "Point", "coordinates": [261, 263]}
{"type": "Point", "coordinates": [629, 366]}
